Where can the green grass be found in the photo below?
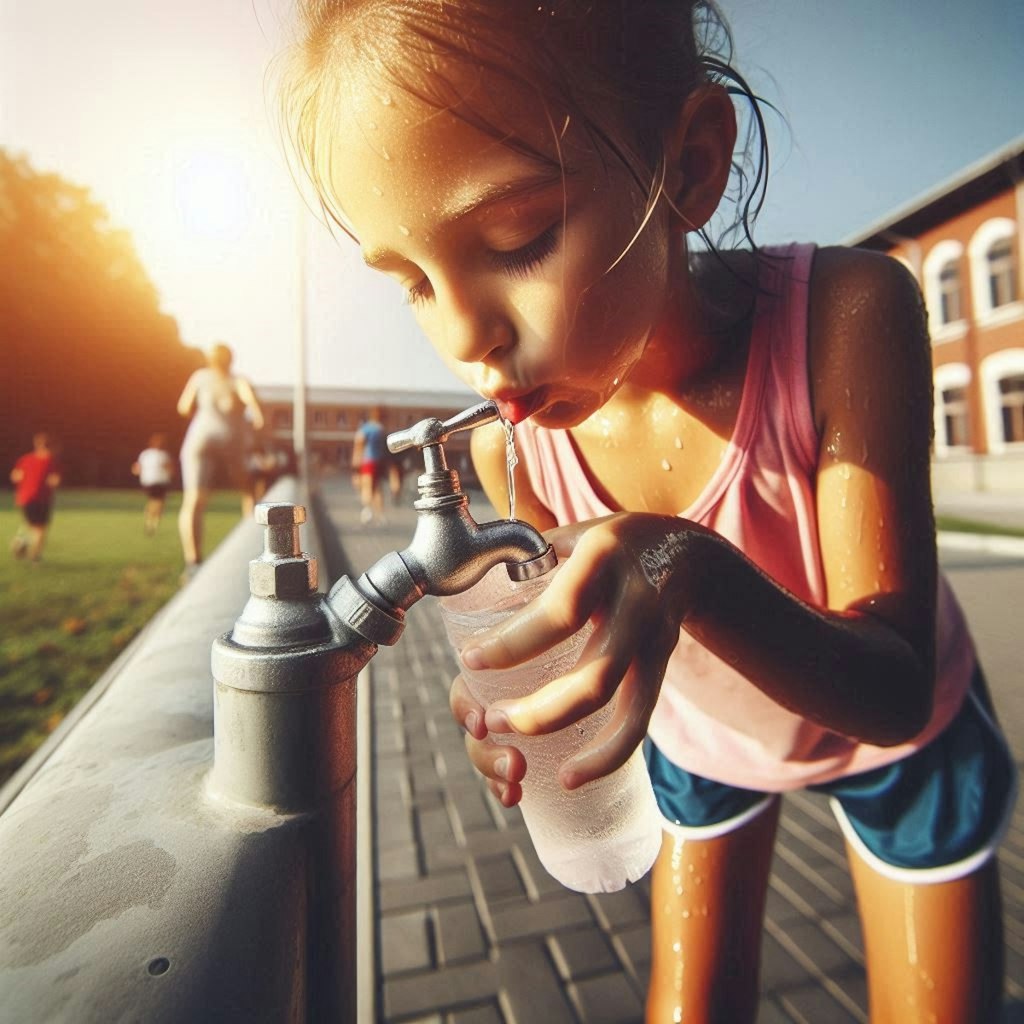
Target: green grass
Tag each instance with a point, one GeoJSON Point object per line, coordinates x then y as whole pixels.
{"type": "Point", "coordinates": [957, 525]}
{"type": "Point", "coordinates": [65, 619]}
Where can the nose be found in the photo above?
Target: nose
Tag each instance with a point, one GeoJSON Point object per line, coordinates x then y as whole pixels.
{"type": "Point", "coordinates": [475, 329]}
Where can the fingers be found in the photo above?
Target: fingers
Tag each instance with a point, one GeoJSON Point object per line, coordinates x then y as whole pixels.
{"type": "Point", "coordinates": [503, 766]}
{"type": "Point", "coordinates": [581, 691]}
{"type": "Point", "coordinates": [465, 710]}
{"type": "Point", "coordinates": [615, 743]}
{"type": "Point", "coordinates": [575, 593]}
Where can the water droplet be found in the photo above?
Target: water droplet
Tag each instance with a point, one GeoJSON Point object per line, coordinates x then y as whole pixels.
{"type": "Point", "coordinates": [679, 443]}
{"type": "Point", "coordinates": [385, 99]}
{"type": "Point", "coordinates": [844, 471]}
{"type": "Point", "coordinates": [384, 153]}
{"type": "Point", "coordinates": [849, 399]}
{"type": "Point", "coordinates": [377, 191]}
{"type": "Point", "coordinates": [686, 914]}
{"type": "Point", "coordinates": [405, 231]}
{"type": "Point", "coordinates": [881, 566]}
{"type": "Point", "coordinates": [615, 382]}
{"type": "Point", "coordinates": [665, 464]}
{"type": "Point", "coordinates": [842, 502]}
{"type": "Point", "coordinates": [372, 125]}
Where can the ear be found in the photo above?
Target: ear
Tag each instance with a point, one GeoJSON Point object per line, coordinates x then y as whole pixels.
{"type": "Point", "coordinates": [698, 155]}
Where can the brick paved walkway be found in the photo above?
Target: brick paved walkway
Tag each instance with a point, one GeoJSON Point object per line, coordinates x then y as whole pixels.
{"type": "Point", "coordinates": [473, 931]}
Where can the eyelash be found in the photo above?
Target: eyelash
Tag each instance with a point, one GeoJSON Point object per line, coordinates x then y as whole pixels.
{"type": "Point", "coordinates": [516, 263]}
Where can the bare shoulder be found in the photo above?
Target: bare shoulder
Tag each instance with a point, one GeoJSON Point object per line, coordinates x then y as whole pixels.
{"type": "Point", "coordinates": [487, 446]}
{"type": "Point", "coordinates": [866, 326]}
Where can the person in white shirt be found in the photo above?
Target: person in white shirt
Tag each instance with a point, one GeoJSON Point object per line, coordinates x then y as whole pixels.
{"type": "Point", "coordinates": [155, 469]}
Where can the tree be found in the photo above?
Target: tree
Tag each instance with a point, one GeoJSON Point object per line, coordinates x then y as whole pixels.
{"type": "Point", "coordinates": [87, 352]}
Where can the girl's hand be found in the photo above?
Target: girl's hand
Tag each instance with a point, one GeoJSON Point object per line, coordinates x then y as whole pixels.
{"type": "Point", "coordinates": [622, 572]}
{"type": "Point", "coordinates": [502, 765]}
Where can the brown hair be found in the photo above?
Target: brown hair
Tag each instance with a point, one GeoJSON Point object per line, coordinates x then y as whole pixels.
{"type": "Point", "coordinates": [619, 68]}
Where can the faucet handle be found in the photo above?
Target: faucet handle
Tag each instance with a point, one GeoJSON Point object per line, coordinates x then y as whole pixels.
{"type": "Point", "coordinates": [434, 431]}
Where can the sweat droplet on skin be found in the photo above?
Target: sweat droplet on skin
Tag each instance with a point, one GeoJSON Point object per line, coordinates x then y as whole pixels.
{"type": "Point", "coordinates": [665, 464]}
{"type": "Point", "coordinates": [372, 125]}
{"type": "Point", "coordinates": [384, 153]}
{"type": "Point", "coordinates": [385, 99]}
{"type": "Point", "coordinates": [377, 191]}
{"type": "Point", "coordinates": [679, 443]}
{"type": "Point", "coordinates": [405, 231]}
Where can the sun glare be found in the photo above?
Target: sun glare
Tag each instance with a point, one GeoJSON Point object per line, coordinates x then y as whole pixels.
{"type": "Point", "coordinates": [211, 195]}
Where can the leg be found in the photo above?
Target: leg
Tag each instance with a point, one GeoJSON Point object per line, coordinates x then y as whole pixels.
{"type": "Point", "coordinates": [37, 540]}
{"type": "Point", "coordinates": [934, 951]}
{"type": "Point", "coordinates": [190, 523]}
{"type": "Point", "coordinates": [707, 911]}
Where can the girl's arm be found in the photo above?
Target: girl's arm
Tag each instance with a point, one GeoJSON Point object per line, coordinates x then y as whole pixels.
{"type": "Point", "coordinates": [187, 400]}
{"type": "Point", "coordinates": [863, 666]}
{"type": "Point", "coordinates": [251, 402]}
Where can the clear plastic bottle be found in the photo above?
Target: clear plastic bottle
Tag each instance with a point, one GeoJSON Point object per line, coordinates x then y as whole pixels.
{"type": "Point", "coordinates": [596, 838]}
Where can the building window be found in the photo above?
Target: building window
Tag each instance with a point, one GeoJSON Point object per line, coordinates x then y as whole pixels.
{"type": "Point", "coordinates": [1011, 400]}
{"type": "Point", "coordinates": [1002, 276]}
{"type": "Point", "coordinates": [1002, 395]}
{"type": "Point", "coordinates": [943, 289]}
{"type": "Point", "coordinates": [949, 292]}
{"type": "Point", "coordinates": [952, 408]}
{"type": "Point", "coordinates": [283, 419]}
{"type": "Point", "coordinates": [954, 417]}
{"type": "Point", "coordinates": [319, 418]}
{"type": "Point", "coordinates": [341, 420]}
{"type": "Point", "coordinates": [994, 289]}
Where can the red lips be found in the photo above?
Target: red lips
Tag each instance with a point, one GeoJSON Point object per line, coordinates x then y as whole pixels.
{"type": "Point", "coordinates": [518, 408]}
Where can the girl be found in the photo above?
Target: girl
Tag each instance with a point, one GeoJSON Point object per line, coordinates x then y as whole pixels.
{"type": "Point", "coordinates": [730, 448]}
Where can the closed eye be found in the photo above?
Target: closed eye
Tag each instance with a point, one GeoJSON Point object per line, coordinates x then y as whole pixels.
{"type": "Point", "coordinates": [519, 262]}
{"type": "Point", "coordinates": [516, 263]}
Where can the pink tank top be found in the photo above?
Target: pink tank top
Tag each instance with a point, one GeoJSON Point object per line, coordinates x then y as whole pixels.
{"type": "Point", "coordinates": [709, 718]}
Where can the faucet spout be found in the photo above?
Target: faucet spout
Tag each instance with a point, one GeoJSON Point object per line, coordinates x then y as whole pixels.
{"type": "Point", "coordinates": [449, 551]}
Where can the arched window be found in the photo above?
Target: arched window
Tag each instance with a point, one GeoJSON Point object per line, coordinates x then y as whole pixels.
{"type": "Point", "coordinates": [949, 292]}
{"type": "Point", "coordinates": [1002, 276]}
{"type": "Point", "coordinates": [952, 415]}
{"type": "Point", "coordinates": [994, 271]}
{"type": "Point", "coordinates": [1002, 385]}
{"type": "Point", "coordinates": [943, 290]}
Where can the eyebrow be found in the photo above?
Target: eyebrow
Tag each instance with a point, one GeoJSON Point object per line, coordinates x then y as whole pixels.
{"type": "Point", "coordinates": [479, 200]}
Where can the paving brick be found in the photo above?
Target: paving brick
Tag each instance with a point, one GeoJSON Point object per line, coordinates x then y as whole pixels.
{"type": "Point", "coordinates": [582, 952]}
{"type": "Point", "coordinates": [459, 935]}
{"type": "Point", "coordinates": [397, 862]}
{"type": "Point", "coordinates": [499, 878]}
{"type": "Point", "coordinates": [513, 921]}
{"type": "Point", "coordinates": [618, 909]}
{"type": "Point", "coordinates": [444, 989]}
{"type": "Point", "coordinates": [633, 944]}
{"type": "Point", "coordinates": [530, 986]}
{"type": "Point", "coordinates": [489, 1014]}
{"type": "Point", "coordinates": [810, 1003]}
{"type": "Point", "coordinates": [405, 942]}
{"type": "Point", "coordinates": [607, 999]}
{"type": "Point", "coordinates": [434, 826]}
{"type": "Point", "coordinates": [434, 889]}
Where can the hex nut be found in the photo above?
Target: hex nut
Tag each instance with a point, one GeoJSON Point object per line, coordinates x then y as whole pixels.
{"type": "Point", "coordinates": [280, 513]}
{"type": "Point", "coordinates": [283, 577]}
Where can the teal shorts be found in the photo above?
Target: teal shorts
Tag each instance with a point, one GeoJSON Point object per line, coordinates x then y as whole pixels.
{"type": "Point", "coordinates": [935, 815]}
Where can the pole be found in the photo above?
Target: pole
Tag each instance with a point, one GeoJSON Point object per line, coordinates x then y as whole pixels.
{"type": "Point", "coordinates": [299, 398]}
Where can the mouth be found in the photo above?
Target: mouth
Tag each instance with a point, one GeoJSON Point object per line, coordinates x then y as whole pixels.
{"type": "Point", "coordinates": [516, 408]}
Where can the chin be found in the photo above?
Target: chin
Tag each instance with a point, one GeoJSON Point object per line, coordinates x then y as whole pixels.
{"type": "Point", "coordinates": [563, 415]}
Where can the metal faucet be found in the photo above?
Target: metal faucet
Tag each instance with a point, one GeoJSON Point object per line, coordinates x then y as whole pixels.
{"type": "Point", "coordinates": [285, 680]}
{"type": "Point", "coordinates": [290, 639]}
{"type": "Point", "coordinates": [449, 551]}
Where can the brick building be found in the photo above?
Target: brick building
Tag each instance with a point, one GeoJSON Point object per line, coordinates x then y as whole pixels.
{"type": "Point", "coordinates": [962, 241]}
{"type": "Point", "coordinates": [334, 414]}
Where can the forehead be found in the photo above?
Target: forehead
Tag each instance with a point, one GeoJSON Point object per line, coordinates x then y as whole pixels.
{"type": "Point", "coordinates": [391, 151]}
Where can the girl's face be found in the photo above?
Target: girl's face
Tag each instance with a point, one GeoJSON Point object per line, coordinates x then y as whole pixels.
{"type": "Point", "coordinates": [505, 258]}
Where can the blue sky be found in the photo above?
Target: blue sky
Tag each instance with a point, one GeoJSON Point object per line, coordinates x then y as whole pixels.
{"type": "Point", "coordinates": [141, 99]}
{"type": "Point", "coordinates": [883, 101]}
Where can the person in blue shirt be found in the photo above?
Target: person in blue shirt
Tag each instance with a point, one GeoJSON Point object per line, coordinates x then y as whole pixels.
{"type": "Point", "coordinates": [369, 455]}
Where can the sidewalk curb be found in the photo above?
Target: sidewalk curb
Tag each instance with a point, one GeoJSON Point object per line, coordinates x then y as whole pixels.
{"type": "Point", "coordinates": [991, 543]}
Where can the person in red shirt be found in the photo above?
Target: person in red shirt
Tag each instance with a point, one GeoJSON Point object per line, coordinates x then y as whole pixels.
{"type": "Point", "coordinates": [35, 476]}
